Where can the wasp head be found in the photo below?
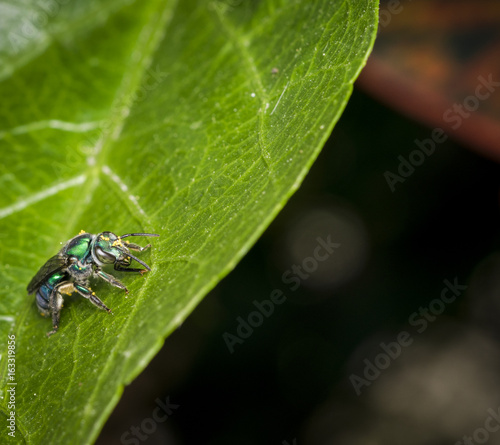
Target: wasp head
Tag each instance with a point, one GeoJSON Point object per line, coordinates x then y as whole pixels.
{"type": "Point", "coordinates": [109, 248]}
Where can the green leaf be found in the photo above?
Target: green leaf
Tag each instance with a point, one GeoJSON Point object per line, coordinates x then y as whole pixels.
{"type": "Point", "coordinates": [196, 120]}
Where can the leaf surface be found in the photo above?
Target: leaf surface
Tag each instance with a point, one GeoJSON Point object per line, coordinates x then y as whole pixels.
{"type": "Point", "coordinates": [196, 120]}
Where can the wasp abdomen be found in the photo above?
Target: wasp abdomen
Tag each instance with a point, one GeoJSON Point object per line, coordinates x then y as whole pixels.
{"type": "Point", "coordinates": [43, 293]}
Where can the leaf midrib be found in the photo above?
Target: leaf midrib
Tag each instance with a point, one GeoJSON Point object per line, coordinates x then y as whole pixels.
{"type": "Point", "coordinates": [147, 43]}
{"type": "Point", "coordinates": [131, 81]}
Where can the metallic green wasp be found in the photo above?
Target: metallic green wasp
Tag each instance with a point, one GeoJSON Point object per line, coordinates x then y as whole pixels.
{"type": "Point", "coordinates": [81, 258]}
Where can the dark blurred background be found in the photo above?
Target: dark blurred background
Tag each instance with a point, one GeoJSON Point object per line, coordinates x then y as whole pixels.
{"type": "Point", "coordinates": [326, 366]}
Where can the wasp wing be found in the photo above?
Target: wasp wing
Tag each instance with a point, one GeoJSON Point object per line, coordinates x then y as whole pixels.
{"type": "Point", "coordinates": [54, 264]}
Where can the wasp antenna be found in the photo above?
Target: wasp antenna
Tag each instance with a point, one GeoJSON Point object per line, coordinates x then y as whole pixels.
{"type": "Point", "coordinates": [137, 234]}
{"type": "Point", "coordinates": [138, 260]}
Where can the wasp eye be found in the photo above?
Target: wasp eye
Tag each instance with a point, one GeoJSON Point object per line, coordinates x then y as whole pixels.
{"type": "Point", "coordinates": [103, 256]}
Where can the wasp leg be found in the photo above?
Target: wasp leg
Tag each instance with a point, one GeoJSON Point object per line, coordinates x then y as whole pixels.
{"type": "Point", "coordinates": [136, 246]}
{"type": "Point", "coordinates": [129, 269]}
{"type": "Point", "coordinates": [55, 309]}
{"type": "Point", "coordinates": [91, 296]}
{"type": "Point", "coordinates": [56, 302]}
{"type": "Point", "coordinates": [111, 279]}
